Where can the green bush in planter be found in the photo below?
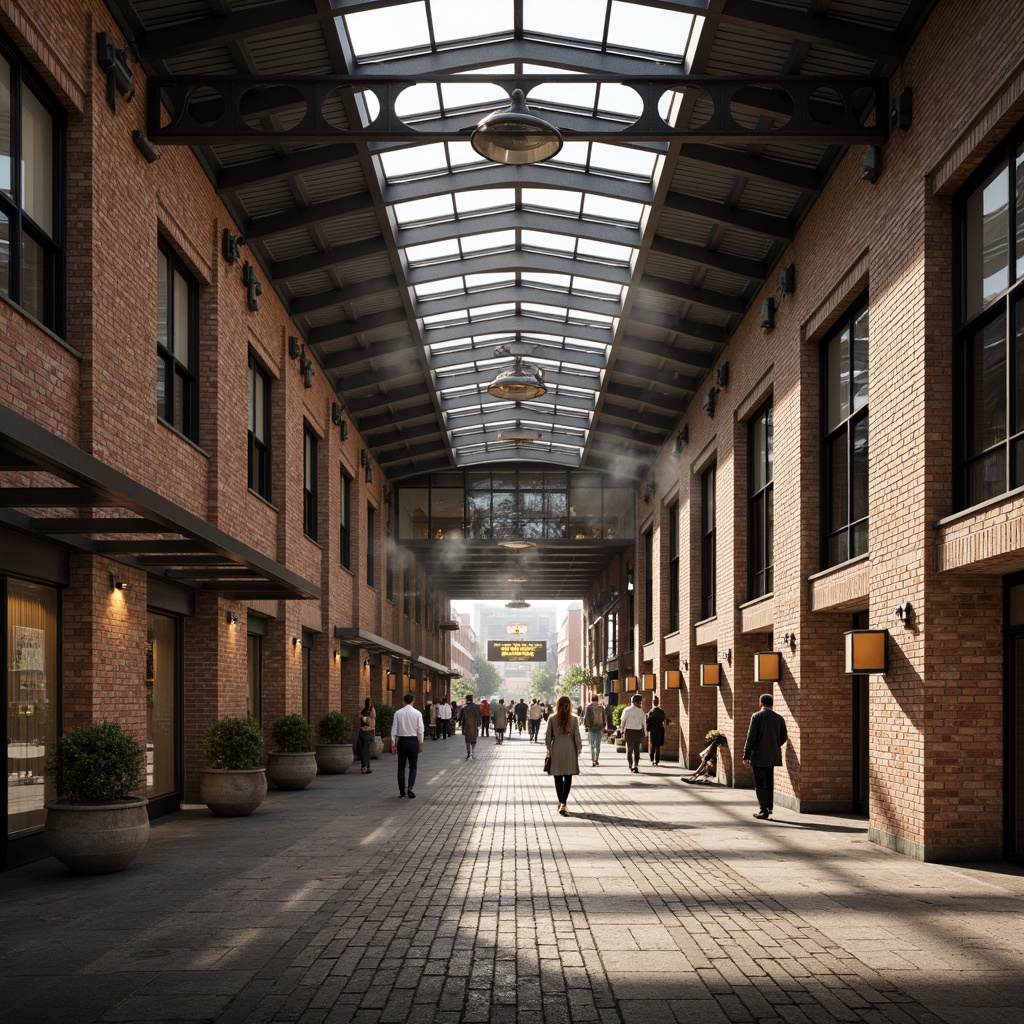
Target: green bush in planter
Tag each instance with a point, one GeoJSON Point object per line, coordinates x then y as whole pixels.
{"type": "Point", "coordinates": [334, 728]}
{"type": "Point", "coordinates": [714, 736]}
{"type": "Point", "coordinates": [235, 744]}
{"type": "Point", "coordinates": [617, 713]}
{"type": "Point", "coordinates": [385, 716]}
{"type": "Point", "coordinates": [292, 734]}
{"type": "Point", "coordinates": [97, 764]}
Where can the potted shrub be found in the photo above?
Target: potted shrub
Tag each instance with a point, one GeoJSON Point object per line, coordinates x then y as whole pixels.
{"type": "Point", "coordinates": [235, 783]}
{"type": "Point", "coordinates": [95, 826]}
{"type": "Point", "coordinates": [293, 764]}
{"type": "Point", "coordinates": [334, 751]}
{"type": "Point", "coordinates": [620, 740]}
{"type": "Point", "coordinates": [385, 716]}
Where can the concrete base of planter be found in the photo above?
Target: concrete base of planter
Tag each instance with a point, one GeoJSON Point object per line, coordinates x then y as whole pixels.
{"type": "Point", "coordinates": [97, 839]}
{"type": "Point", "coordinates": [334, 758]}
{"type": "Point", "coordinates": [377, 749]}
{"type": "Point", "coordinates": [233, 794]}
{"type": "Point", "coordinates": [291, 771]}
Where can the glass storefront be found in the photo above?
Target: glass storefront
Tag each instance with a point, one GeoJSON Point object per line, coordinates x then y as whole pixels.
{"type": "Point", "coordinates": [32, 674]}
{"type": "Point", "coordinates": [161, 705]}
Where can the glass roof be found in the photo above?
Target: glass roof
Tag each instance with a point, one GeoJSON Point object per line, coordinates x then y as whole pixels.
{"type": "Point", "coordinates": [529, 265]}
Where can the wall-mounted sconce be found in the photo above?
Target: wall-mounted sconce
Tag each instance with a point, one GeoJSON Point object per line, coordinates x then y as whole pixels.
{"type": "Point", "coordinates": [231, 246]}
{"type": "Point", "coordinates": [296, 350]}
{"type": "Point", "coordinates": [232, 618]}
{"type": "Point", "coordinates": [711, 674]}
{"type": "Point", "coordinates": [337, 415]}
{"type": "Point", "coordinates": [295, 642]}
{"type": "Point", "coordinates": [308, 372]}
{"type": "Point", "coordinates": [867, 651]}
{"type": "Point", "coordinates": [364, 459]}
{"type": "Point", "coordinates": [368, 474]}
{"type": "Point", "coordinates": [789, 639]}
{"type": "Point", "coordinates": [768, 315]}
{"type": "Point", "coordinates": [905, 613]}
{"type": "Point", "coordinates": [728, 655]}
{"type": "Point", "coordinates": [686, 665]}
{"type": "Point", "coordinates": [708, 405]}
{"type": "Point", "coordinates": [253, 288]}
{"type": "Point", "coordinates": [114, 62]}
{"type": "Point", "coordinates": [366, 662]}
{"type": "Point", "coordinates": [145, 146]}
{"type": "Point", "coordinates": [682, 438]}
{"type": "Point", "coordinates": [768, 667]}
{"type": "Point", "coordinates": [337, 655]}
{"type": "Point", "coordinates": [787, 280]}
{"type": "Point", "coordinates": [902, 112]}
{"type": "Point", "coordinates": [117, 582]}
{"type": "Point", "coordinates": [871, 164]}
{"type": "Point", "coordinates": [722, 375]}
{"type": "Point", "coordinates": [649, 489]}
{"type": "Point", "coordinates": [673, 679]}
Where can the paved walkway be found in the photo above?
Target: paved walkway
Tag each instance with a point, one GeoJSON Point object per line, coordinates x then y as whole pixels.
{"type": "Point", "coordinates": [476, 902]}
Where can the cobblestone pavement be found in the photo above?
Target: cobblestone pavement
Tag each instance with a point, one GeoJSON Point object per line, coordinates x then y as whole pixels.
{"type": "Point", "coordinates": [655, 901]}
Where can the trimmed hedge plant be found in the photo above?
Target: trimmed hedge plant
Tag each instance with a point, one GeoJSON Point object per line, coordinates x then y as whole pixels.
{"type": "Point", "coordinates": [292, 734]}
{"type": "Point", "coordinates": [235, 744]}
{"type": "Point", "coordinates": [334, 728]}
{"type": "Point", "coordinates": [97, 764]}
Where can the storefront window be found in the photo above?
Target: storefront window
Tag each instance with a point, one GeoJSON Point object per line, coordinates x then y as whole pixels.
{"type": "Point", "coordinates": [161, 720]}
{"type": "Point", "coordinates": [32, 675]}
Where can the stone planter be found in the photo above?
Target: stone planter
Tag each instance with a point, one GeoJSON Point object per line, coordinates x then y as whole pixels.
{"type": "Point", "coordinates": [334, 758]}
{"type": "Point", "coordinates": [233, 793]}
{"type": "Point", "coordinates": [97, 839]}
{"type": "Point", "coordinates": [377, 749]}
{"type": "Point", "coordinates": [291, 771]}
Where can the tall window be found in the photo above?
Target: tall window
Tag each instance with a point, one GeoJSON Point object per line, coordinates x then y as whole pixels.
{"type": "Point", "coordinates": [648, 586]}
{"type": "Point", "coordinates": [708, 580]}
{"type": "Point", "coordinates": [259, 430]}
{"type": "Point", "coordinates": [345, 538]}
{"type": "Point", "coordinates": [990, 381]}
{"type": "Point", "coordinates": [371, 546]}
{"type": "Point", "coordinates": [309, 496]}
{"type": "Point", "coordinates": [611, 635]}
{"type": "Point", "coordinates": [31, 194]}
{"type": "Point", "coordinates": [418, 599]}
{"type": "Point", "coordinates": [389, 570]}
{"type": "Point", "coordinates": [177, 334]}
{"type": "Point", "coordinates": [761, 517]}
{"type": "Point", "coordinates": [673, 567]}
{"type": "Point", "coordinates": [845, 444]}
{"type": "Point", "coordinates": [406, 585]}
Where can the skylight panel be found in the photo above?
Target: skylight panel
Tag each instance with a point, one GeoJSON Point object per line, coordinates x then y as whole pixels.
{"type": "Point", "coordinates": [417, 211]}
{"type": "Point", "coordinates": [622, 211]}
{"type": "Point", "coordinates": [648, 29]}
{"type": "Point", "coordinates": [481, 199]}
{"type": "Point", "coordinates": [563, 200]}
{"type": "Point", "coordinates": [445, 319]}
{"type": "Point", "coordinates": [456, 19]}
{"type": "Point", "coordinates": [418, 101]}
{"type": "Point", "coordinates": [432, 252]}
{"type": "Point", "coordinates": [549, 312]}
{"type": "Point", "coordinates": [619, 100]}
{"type": "Point", "coordinates": [592, 286]}
{"type": "Point", "coordinates": [560, 282]}
{"type": "Point", "coordinates": [547, 241]}
{"type": "Point", "coordinates": [388, 29]}
{"type": "Point", "coordinates": [573, 154]}
{"type": "Point", "coordinates": [459, 96]}
{"type": "Point", "coordinates": [490, 312]}
{"type": "Point", "coordinates": [432, 289]}
{"type": "Point", "coordinates": [623, 160]}
{"type": "Point", "coordinates": [605, 251]}
{"type": "Point", "coordinates": [489, 241]}
{"type": "Point", "coordinates": [480, 282]}
{"type": "Point", "coordinates": [564, 95]}
{"type": "Point", "coordinates": [580, 20]}
{"type": "Point", "coordinates": [413, 160]}
{"type": "Point", "coordinates": [462, 154]}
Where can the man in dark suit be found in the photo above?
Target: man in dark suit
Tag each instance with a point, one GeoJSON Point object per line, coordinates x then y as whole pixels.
{"type": "Point", "coordinates": [763, 751]}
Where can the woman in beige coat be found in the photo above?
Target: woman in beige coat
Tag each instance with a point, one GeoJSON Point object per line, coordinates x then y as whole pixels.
{"type": "Point", "coordinates": [564, 745]}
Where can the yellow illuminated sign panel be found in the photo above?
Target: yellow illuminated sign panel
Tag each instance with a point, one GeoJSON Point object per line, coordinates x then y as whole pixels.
{"type": "Point", "coordinates": [517, 650]}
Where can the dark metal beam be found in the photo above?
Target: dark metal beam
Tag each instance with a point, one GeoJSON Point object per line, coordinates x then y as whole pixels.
{"type": "Point", "coordinates": [304, 304]}
{"type": "Point", "coordinates": [231, 179]}
{"type": "Point", "coordinates": [805, 179]}
{"type": "Point", "coordinates": [374, 350]}
{"type": "Point", "coordinates": [274, 224]}
{"type": "Point", "coordinates": [688, 293]}
{"type": "Point", "coordinates": [348, 328]}
{"type": "Point", "coordinates": [705, 257]}
{"type": "Point", "coordinates": [731, 216]}
{"type": "Point", "coordinates": [299, 265]}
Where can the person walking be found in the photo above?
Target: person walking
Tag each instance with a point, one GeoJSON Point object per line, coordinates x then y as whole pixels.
{"type": "Point", "coordinates": [444, 719]}
{"type": "Point", "coordinates": [469, 718]}
{"type": "Point", "coordinates": [593, 722]}
{"type": "Point", "coordinates": [763, 751]}
{"type": "Point", "coordinates": [521, 711]}
{"type": "Point", "coordinates": [364, 741]}
{"type": "Point", "coordinates": [485, 717]}
{"type": "Point", "coordinates": [500, 720]}
{"type": "Point", "coordinates": [407, 740]}
{"type": "Point", "coordinates": [633, 724]}
{"type": "Point", "coordinates": [563, 742]}
{"type": "Point", "coordinates": [535, 715]}
{"type": "Point", "coordinates": [656, 720]}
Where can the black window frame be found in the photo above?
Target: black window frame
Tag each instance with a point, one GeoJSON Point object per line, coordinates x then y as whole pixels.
{"type": "Point", "coordinates": [971, 327]}
{"type": "Point", "coordinates": [20, 223]}
{"type": "Point", "coordinates": [708, 541]}
{"type": "Point", "coordinates": [259, 450]}
{"type": "Point", "coordinates": [309, 483]}
{"type": "Point", "coordinates": [761, 506]}
{"type": "Point", "coordinates": [345, 520]}
{"type": "Point", "coordinates": [848, 428]}
{"type": "Point", "coordinates": [174, 373]}
{"type": "Point", "coordinates": [649, 585]}
{"type": "Point", "coordinates": [673, 567]}
{"type": "Point", "coordinates": [371, 545]}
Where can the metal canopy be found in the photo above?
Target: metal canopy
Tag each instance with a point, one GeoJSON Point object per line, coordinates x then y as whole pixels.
{"type": "Point", "coordinates": [627, 261]}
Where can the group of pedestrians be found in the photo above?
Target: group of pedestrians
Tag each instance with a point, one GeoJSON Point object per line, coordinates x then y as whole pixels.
{"type": "Point", "coordinates": [762, 751]}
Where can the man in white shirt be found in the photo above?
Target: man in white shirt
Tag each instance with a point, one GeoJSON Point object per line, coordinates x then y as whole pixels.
{"type": "Point", "coordinates": [444, 719]}
{"type": "Point", "coordinates": [535, 716]}
{"type": "Point", "coordinates": [407, 740]}
{"type": "Point", "coordinates": [633, 724]}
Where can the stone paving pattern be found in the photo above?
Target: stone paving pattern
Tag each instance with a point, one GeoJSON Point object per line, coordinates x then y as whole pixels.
{"type": "Point", "coordinates": [655, 901]}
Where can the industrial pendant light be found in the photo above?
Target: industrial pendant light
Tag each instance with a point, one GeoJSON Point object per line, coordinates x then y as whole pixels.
{"type": "Point", "coordinates": [515, 136]}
